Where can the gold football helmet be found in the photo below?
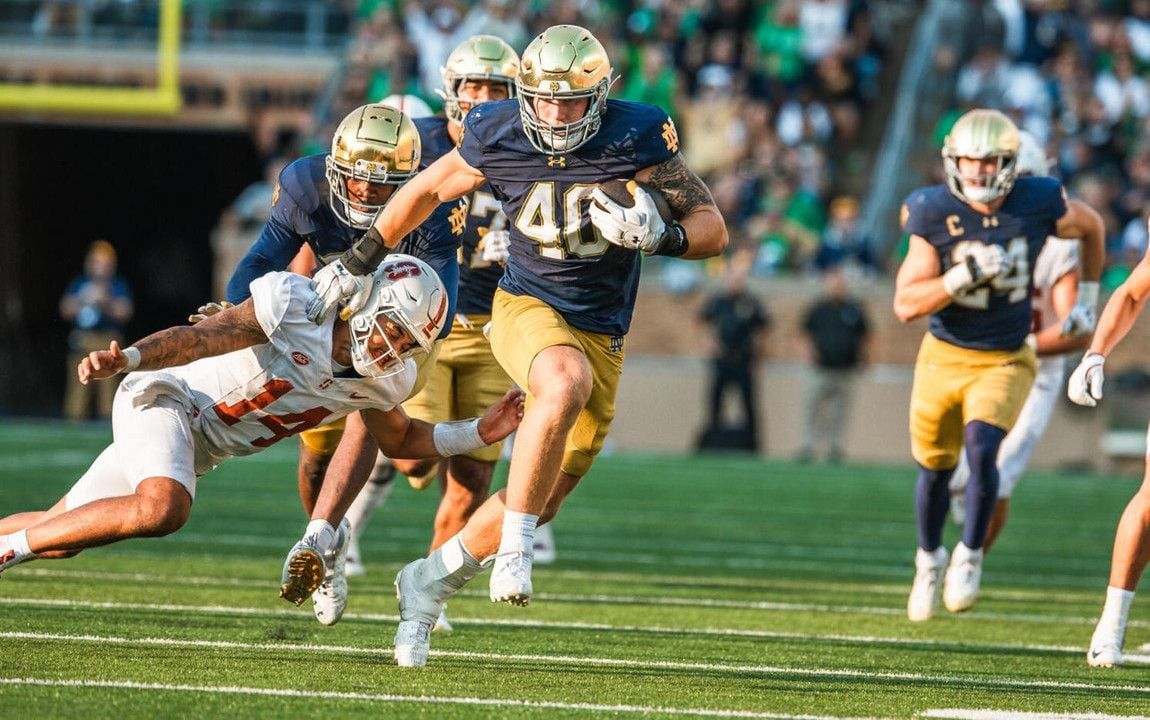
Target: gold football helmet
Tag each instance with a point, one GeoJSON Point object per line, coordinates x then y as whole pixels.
{"type": "Point", "coordinates": [981, 134]}
{"type": "Point", "coordinates": [482, 57]}
{"type": "Point", "coordinates": [565, 62]}
{"type": "Point", "coordinates": [376, 143]}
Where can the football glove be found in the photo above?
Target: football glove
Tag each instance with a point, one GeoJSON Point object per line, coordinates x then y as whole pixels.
{"type": "Point", "coordinates": [205, 311]}
{"type": "Point", "coordinates": [332, 284]}
{"type": "Point", "coordinates": [496, 246]}
{"type": "Point", "coordinates": [1085, 385]}
{"type": "Point", "coordinates": [1082, 317]}
{"type": "Point", "coordinates": [982, 264]}
{"type": "Point", "coordinates": [636, 228]}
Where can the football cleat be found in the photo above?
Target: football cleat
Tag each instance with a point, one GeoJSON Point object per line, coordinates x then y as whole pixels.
{"type": "Point", "coordinates": [511, 578]}
{"type": "Point", "coordinates": [419, 482]}
{"type": "Point", "coordinates": [924, 594]}
{"type": "Point", "coordinates": [963, 577]}
{"type": "Point", "coordinates": [543, 547]}
{"type": "Point", "coordinates": [441, 624]}
{"type": "Point", "coordinates": [303, 571]}
{"type": "Point", "coordinates": [419, 609]}
{"type": "Point", "coordinates": [412, 643]}
{"type": "Point", "coordinates": [330, 598]}
{"type": "Point", "coordinates": [1106, 646]}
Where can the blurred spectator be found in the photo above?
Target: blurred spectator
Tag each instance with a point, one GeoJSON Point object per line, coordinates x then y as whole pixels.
{"type": "Point", "coordinates": [836, 329]}
{"type": "Point", "coordinates": [435, 28]}
{"type": "Point", "coordinates": [98, 303]}
{"type": "Point", "coordinates": [251, 210]}
{"type": "Point", "coordinates": [713, 132]}
{"type": "Point", "coordinates": [823, 23]}
{"type": "Point", "coordinates": [738, 323]}
{"type": "Point", "coordinates": [844, 244]}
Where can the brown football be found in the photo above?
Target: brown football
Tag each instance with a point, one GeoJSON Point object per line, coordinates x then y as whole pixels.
{"type": "Point", "coordinates": [622, 191]}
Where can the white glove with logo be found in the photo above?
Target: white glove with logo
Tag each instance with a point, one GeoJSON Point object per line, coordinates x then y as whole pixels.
{"type": "Point", "coordinates": [1082, 317]}
{"type": "Point", "coordinates": [1085, 386]}
{"type": "Point", "coordinates": [982, 263]}
{"type": "Point", "coordinates": [332, 284]}
{"type": "Point", "coordinates": [496, 246]}
{"type": "Point", "coordinates": [635, 228]}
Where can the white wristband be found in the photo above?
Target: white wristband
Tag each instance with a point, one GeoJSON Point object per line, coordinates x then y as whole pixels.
{"type": "Point", "coordinates": [132, 355]}
{"type": "Point", "coordinates": [957, 279]}
{"type": "Point", "coordinates": [1088, 293]}
{"type": "Point", "coordinates": [457, 438]}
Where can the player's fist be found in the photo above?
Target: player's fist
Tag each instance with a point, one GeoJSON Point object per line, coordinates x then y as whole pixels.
{"type": "Point", "coordinates": [206, 310]}
{"type": "Point", "coordinates": [503, 417]}
{"type": "Point", "coordinates": [100, 364]}
{"type": "Point", "coordinates": [1085, 386]}
{"type": "Point", "coordinates": [335, 283]}
{"type": "Point", "coordinates": [639, 227]}
{"type": "Point", "coordinates": [981, 264]}
{"type": "Point", "coordinates": [496, 246]}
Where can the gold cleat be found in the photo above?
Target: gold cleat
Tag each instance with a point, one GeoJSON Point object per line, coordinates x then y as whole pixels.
{"type": "Point", "coordinates": [420, 482]}
{"type": "Point", "coordinates": [302, 574]}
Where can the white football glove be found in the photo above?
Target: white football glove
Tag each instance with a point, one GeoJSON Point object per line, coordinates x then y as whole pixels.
{"type": "Point", "coordinates": [982, 263]}
{"type": "Point", "coordinates": [1083, 317]}
{"type": "Point", "coordinates": [1085, 386]}
{"type": "Point", "coordinates": [334, 283]}
{"type": "Point", "coordinates": [496, 246]}
{"type": "Point", "coordinates": [636, 228]}
{"type": "Point", "coordinates": [206, 310]}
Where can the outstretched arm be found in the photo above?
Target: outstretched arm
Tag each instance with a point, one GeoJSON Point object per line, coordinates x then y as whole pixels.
{"type": "Point", "coordinates": [232, 329]}
{"type": "Point", "coordinates": [1123, 308]}
{"type": "Point", "coordinates": [694, 207]}
{"type": "Point", "coordinates": [401, 437]}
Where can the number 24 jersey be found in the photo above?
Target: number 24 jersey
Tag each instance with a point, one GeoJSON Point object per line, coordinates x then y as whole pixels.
{"type": "Point", "coordinates": [997, 315]}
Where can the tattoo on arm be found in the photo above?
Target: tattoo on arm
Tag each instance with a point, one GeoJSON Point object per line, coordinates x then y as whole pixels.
{"type": "Point", "coordinates": [232, 329]}
{"type": "Point", "coordinates": [683, 188]}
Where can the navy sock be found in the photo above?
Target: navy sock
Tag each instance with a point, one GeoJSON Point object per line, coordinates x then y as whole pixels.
{"type": "Point", "coordinates": [982, 443]}
{"type": "Point", "coordinates": [931, 504]}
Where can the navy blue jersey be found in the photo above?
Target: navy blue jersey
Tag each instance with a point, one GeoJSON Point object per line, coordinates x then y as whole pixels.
{"type": "Point", "coordinates": [557, 255]}
{"type": "Point", "coordinates": [477, 278]}
{"type": "Point", "coordinates": [301, 214]}
{"type": "Point", "coordinates": [997, 315]}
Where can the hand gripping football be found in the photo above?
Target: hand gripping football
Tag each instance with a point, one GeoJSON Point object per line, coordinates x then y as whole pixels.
{"type": "Point", "coordinates": [623, 192]}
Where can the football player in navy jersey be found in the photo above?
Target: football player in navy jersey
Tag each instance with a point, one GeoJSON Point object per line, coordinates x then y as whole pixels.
{"type": "Point", "coordinates": [325, 202]}
{"type": "Point", "coordinates": [564, 303]}
{"type": "Point", "coordinates": [480, 69]}
{"type": "Point", "coordinates": [973, 243]}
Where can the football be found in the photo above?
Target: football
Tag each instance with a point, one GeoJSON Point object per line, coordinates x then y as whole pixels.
{"type": "Point", "coordinates": [622, 191]}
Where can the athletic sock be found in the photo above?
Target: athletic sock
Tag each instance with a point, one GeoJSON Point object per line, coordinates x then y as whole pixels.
{"type": "Point", "coordinates": [1117, 608]}
{"type": "Point", "coordinates": [14, 549]}
{"type": "Point", "coordinates": [451, 566]}
{"type": "Point", "coordinates": [932, 502]}
{"type": "Point", "coordinates": [518, 532]}
{"type": "Point", "coordinates": [325, 535]}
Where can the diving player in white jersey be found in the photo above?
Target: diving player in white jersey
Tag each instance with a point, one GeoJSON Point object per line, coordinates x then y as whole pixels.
{"type": "Point", "coordinates": [238, 382]}
{"type": "Point", "coordinates": [1056, 290]}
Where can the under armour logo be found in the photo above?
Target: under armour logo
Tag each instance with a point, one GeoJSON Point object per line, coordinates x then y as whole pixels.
{"type": "Point", "coordinates": [557, 161]}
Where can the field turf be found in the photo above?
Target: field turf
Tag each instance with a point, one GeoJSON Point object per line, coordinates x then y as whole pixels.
{"type": "Point", "coordinates": [704, 587]}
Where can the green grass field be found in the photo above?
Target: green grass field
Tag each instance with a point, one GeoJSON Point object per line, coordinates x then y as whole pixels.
{"type": "Point", "coordinates": [684, 587]}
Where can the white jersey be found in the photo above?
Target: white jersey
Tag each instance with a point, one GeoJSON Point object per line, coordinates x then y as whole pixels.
{"type": "Point", "coordinates": [250, 399]}
{"type": "Point", "coordinates": [1058, 257]}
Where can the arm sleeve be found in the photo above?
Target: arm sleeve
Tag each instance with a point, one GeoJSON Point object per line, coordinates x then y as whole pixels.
{"type": "Point", "coordinates": [280, 299]}
{"type": "Point", "coordinates": [274, 250]}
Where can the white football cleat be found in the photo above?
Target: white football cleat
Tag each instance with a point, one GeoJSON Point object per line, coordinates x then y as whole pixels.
{"type": "Point", "coordinates": [511, 578]}
{"type": "Point", "coordinates": [924, 594]}
{"type": "Point", "coordinates": [303, 571]}
{"type": "Point", "coordinates": [963, 578]}
{"type": "Point", "coordinates": [441, 624]}
{"type": "Point", "coordinates": [958, 506]}
{"type": "Point", "coordinates": [412, 643]}
{"type": "Point", "coordinates": [1106, 646]}
{"type": "Point", "coordinates": [543, 548]}
{"type": "Point", "coordinates": [419, 609]}
{"type": "Point", "coordinates": [330, 598]}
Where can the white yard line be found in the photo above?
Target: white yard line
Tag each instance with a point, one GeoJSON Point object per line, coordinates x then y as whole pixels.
{"type": "Point", "coordinates": [600, 662]}
{"type": "Point", "coordinates": [964, 714]}
{"type": "Point", "coordinates": [765, 605]}
{"type": "Point", "coordinates": [422, 699]}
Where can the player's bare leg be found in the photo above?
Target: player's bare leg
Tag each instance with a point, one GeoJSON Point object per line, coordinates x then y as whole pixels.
{"type": "Point", "coordinates": [311, 470]}
{"type": "Point", "coordinates": [1131, 554]}
{"type": "Point", "coordinates": [466, 483]}
{"type": "Point", "coordinates": [160, 506]}
{"type": "Point", "coordinates": [560, 381]}
{"type": "Point", "coordinates": [375, 492]}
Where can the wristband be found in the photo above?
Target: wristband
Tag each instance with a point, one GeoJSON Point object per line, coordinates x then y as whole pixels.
{"type": "Point", "coordinates": [1088, 293]}
{"type": "Point", "coordinates": [367, 253]}
{"type": "Point", "coordinates": [132, 355]}
{"type": "Point", "coordinates": [674, 243]}
{"type": "Point", "coordinates": [457, 438]}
